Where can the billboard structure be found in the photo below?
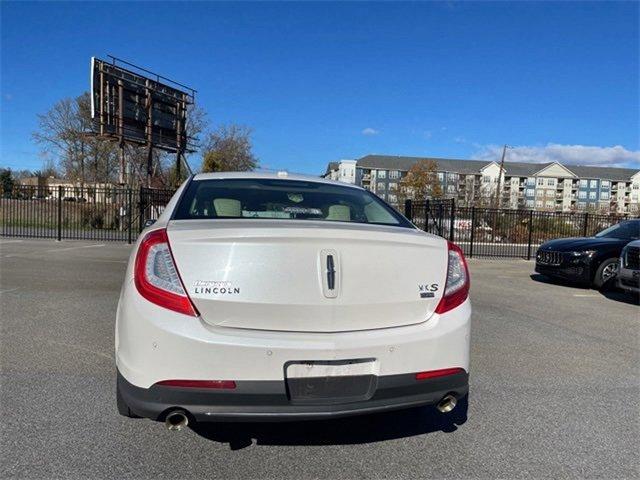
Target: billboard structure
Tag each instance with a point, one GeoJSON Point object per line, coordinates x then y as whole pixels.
{"type": "Point", "coordinates": [132, 105]}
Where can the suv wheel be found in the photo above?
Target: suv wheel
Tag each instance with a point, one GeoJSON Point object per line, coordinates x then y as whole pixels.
{"type": "Point", "coordinates": [607, 271]}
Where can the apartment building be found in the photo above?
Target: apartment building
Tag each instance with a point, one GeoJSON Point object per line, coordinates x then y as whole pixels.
{"type": "Point", "coordinates": [549, 186]}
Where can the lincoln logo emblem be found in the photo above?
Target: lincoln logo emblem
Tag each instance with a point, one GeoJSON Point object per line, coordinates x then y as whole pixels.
{"type": "Point", "coordinates": [331, 273]}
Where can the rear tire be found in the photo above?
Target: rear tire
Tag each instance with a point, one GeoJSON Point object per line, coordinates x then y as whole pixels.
{"type": "Point", "coordinates": [605, 273]}
{"type": "Point", "coordinates": [123, 408]}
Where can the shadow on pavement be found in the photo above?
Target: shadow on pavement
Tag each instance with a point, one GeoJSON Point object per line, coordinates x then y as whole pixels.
{"type": "Point", "coordinates": [609, 290]}
{"type": "Point", "coordinates": [345, 431]}
{"type": "Point", "coordinates": [537, 277]}
{"type": "Point", "coordinates": [620, 296]}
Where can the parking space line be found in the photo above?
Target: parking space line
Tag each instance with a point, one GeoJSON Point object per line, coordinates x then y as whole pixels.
{"type": "Point", "coordinates": [9, 290]}
{"type": "Point", "coordinates": [53, 250]}
{"type": "Point", "coordinates": [73, 248]}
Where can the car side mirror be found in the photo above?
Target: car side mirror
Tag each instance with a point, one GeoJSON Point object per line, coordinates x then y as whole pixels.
{"type": "Point", "coordinates": [148, 222]}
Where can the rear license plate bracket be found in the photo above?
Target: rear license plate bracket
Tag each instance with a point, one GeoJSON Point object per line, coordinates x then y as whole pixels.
{"type": "Point", "coordinates": [331, 382]}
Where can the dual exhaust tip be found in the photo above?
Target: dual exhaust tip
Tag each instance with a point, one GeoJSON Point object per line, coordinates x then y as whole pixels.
{"type": "Point", "coordinates": [447, 404]}
{"type": "Point", "coordinates": [176, 420]}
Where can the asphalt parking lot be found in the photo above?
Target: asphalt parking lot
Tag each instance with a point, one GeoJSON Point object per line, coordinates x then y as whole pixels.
{"type": "Point", "coordinates": [555, 388]}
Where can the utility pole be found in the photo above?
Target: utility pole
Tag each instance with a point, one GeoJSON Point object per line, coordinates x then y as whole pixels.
{"type": "Point", "coordinates": [498, 201]}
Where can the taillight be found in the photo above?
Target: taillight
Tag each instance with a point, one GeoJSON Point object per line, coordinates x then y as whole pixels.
{"type": "Point", "coordinates": [456, 289]}
{"type": "Point", "coordinates": [156, 276]}
{"type": "Point", "coordinates": [215, 384]}
{"type": "Point", "coordinates": [438, 373]}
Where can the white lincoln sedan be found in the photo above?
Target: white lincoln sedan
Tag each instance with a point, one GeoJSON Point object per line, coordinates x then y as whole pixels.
{"type": "Point", "coordinates": [283, 297]}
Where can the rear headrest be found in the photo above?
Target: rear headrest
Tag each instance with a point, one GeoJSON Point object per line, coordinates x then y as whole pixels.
{"type": "Point", "coordinates": [340, 213]}
{"type": "Point", "coordinates": [227, 207]}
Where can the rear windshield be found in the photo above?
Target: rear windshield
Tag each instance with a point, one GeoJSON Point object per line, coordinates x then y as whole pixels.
{"type": "Point", "coordinates": [284, 200]}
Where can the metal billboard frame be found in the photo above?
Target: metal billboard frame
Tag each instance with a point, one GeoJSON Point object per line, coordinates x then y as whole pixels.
{"type": "Point", "coordinates": [132, 105]}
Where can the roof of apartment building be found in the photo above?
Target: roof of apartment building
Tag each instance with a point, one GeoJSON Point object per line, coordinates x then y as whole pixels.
{"type": "Point", "coordinates": [331, 167]}
{"type": "Point", "coordinates": [522, 169]}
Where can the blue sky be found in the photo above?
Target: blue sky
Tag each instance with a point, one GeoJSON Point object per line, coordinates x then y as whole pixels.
{"type": "Point", "coordinates": [324, 81]}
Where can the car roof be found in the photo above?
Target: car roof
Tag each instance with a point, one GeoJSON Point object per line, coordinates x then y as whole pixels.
{"type": "Point", "coordinates": [269, 176]}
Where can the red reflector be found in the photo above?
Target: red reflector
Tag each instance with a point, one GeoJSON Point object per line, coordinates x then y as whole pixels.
{"type": "Point", "coordinates": [198, 383]}
{"type": "Point", "coordinates": [438, 373]}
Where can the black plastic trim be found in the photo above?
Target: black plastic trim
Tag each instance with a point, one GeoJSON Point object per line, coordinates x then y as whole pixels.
{"type": "Point", "coordinates": [269, 400]}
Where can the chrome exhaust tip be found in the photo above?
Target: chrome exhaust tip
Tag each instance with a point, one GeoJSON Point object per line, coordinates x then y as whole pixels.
{"type": "Point", "coordinates": [447, 404]}
{"type": "Point", "coordinates": [176, 420]}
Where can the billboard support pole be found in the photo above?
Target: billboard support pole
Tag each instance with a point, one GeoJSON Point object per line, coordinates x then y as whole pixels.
{"type": "Point", "coordinates": [121, 129]}
{"type": "Point", "coordinates": [179, 116]}
{"type": "Point", "coordinates": [149, 135]}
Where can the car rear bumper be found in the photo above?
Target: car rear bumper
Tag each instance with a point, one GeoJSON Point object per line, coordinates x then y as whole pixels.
{"type": "Point", "coordinates": [628, 280]}
{"type": "Point", "coordinates": [154, 344]}
{"type": "Point", "coordinates": [270, 400]}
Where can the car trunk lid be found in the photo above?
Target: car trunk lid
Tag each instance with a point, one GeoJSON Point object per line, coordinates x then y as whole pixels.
{"type": "Point", "coordinates": [277, 275]}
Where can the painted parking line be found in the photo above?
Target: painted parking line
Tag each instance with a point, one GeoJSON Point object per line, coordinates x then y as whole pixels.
{"type": "Point", "coordinates": [52, 250]}
{"type": "Point", "coordinates": [9, 290]}
{"type": "Point", "coordinates": [585, 295]}
{"type": "Point", "coordinates": [74, 248]}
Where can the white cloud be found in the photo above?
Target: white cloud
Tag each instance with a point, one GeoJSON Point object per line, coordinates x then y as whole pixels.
{"type": "Point", "coordinates": [616, 156]}
{"type": "Point", "coordinates": [460, 139]}
{"type": "Point", "coordinates": [370, 131]}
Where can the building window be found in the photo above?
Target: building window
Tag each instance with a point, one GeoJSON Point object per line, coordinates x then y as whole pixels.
{"type": "Point", "coordinates": [550, 204]}
{"type": "Point", "coordinates": [551, 182]}
{"type": "Point", "coordinates": [451, 188]}
{"type": "Point", "coordinates": [604, 196]}
{"type": "Point", "coordinates": [382, 174]}
{"type": "Point", "coordinates": [539, 203]}
{"type": "Point", "coordinates": [395, 174]}
{"type": "Point", "coordinates": [582, 194]}
{"type": "Point", "coordinates": [540, 182]}
{"type": "Point", "coordinates": [452, 177]}
{"type": "Point", "coordinates": [531, 181]}
{"type": "Point", "coordinates": [550, 193]}
{"type": "Point", "coordinates": [486, 179]}
{"type": "Point", "coordinates": [529, 203]}
{"type": "Point", "coordinates": [592, 195]}
{"type": "Point", "coordinates": [605, 183]}
{"type": "Point", "coordinates": [393, 186]}
{"type": "Point", "coordinates": [392, 198]}
{"type": "Point", "coordinates": [531, 192]}
{"type": "Point", "coordinates": [636, 186]}
{"type": "Point", "coordinates": [582, 205]}
{"type": "Point", "coordinates": [593, 184]}
{"type": "Point", "coordinates": [381, 186]}
{"type": "Point", "coordinates": [440, 176]}
{"type": "Point", "coordinates": [539, 193]}
{"type": "Point", "coordinates": [583, 183]}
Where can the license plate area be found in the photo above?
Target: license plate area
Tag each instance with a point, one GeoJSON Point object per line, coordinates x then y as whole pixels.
{"type": "Point", "coordinates": [331, 382]}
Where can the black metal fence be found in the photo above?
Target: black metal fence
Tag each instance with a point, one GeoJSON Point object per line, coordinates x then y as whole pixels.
{"type": "Point", "coordinates": [118, 214]}
{"type": "Point", "coordinates": [491, 232]}
{"type": "Point", "coordinates": [88, 213]}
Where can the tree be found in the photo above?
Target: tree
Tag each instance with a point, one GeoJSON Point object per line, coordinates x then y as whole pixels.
{"type": "Point", "coordinates": [228, 148]}
{"type": "Point", "coordinates": [421, 181]}
{"type": "Point", "coordinates": [6, 180]}
{"type": "Point", "coordinates": [65, 132]}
